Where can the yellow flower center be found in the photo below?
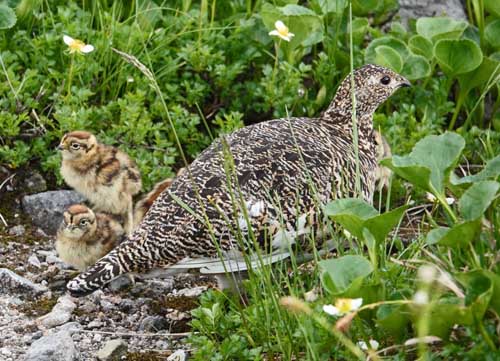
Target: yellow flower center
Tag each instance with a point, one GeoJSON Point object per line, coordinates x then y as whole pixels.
{"type": "Point", "coordinates": [76, 45]}
{"type": "Point", "coordinates": [344, 305]}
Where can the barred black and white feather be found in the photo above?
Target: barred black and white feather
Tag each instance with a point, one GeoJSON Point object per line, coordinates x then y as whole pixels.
{"type": "Point", "coordinates": [266, 178]}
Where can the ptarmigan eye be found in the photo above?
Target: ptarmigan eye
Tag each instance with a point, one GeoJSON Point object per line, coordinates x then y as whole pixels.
{"type": "Point", "coordinates": [385, 80]}
{"type": "Point", "coordinates": [84, 222]}
{"type": "Point", "coordinates": [75, 146]}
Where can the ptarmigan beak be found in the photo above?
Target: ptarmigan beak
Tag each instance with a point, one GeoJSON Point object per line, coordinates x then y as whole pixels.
{"type": "Point", "coordinates": [404, 83]}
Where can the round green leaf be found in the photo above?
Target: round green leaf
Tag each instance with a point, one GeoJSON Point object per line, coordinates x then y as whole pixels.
{"type": "Point", "coordinates": [457, 56]}
{"type": "Point", "coordinates": [492, 33]}
{"type": "Point", "coordinates": [332, 6]}
{"type": "Point", "coordinates": [421, 46]}
{"type": "Point", "coordinates": [396, 44]}
{"type": "Point", "coordinates": [359, 28]}
{"type": "Point", "coordinates": [364, 7]}
{"type": "Point", "coordinates": [388, 57]}
{"type": "Point", "coordinates": [7, 17]}
{"type": "Point", "coordinates": [416, 67]}
{"type": "Point", "coordinates": [493, 7]}
{"type": "Point", "coordinates": [341, 274]}
{"type": "Point", "coordinates": [477, 199]}
{"type": "Point", "coordinates": [440, 28]}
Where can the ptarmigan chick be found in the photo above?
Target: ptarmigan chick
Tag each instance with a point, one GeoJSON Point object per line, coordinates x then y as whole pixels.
{"type": "Point", "coordinates": [84, 236]}
{"type": "Point", "coordinates": [143, 205]}
{"type": "Point", "coordinates": [267, 181]}
{"type": "Point", "coordinates": [105, 175]}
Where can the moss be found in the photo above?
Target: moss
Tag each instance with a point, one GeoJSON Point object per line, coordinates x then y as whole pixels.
{"type": "Point", "coordinates": [180, 303]}
{"type": "Point", "coordinates": [39, 307]}
{"type": "Point", "coordinates": [147, 356]}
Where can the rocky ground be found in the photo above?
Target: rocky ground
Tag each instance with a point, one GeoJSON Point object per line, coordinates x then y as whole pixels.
{"type": "Point", "coordinates": [144, 320]}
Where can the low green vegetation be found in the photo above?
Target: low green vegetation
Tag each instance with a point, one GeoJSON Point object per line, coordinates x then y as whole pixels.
{"type": "Point", "coordinates": [424, 261]}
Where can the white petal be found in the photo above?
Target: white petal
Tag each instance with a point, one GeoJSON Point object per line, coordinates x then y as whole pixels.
{"type": "Point", "coordinates": [280, 26]}
{"type": "Point", "coordinates": [374, 344]}
{"type": "Point", "coordinates": [430, 197]}
{"type": "Point", "coordinates": [356, 303]}
{"type": "Point", "coordinates": [362, 345]}
{"type": "Point", "coordinates": [87, 49]}
{"type": "Point", "coordinates": [421, 298]}
{"type": "Point", "coordinates": [68, 40]}
{"type": "Point", "coordinates": [285, 37]}
{"type": "Point", "coordinates": [450, 200]}
{"type": "Point", "coordinates": [275, 33]}
{"type": "Point", "coordinates": [291, 35]}
{"type": "Point", "coordinates": [331, 310]}
{"type": "Point", "coordinates": [427, 273]}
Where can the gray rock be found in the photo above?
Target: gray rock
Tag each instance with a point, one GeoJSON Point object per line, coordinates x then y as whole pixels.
{"type": "Point", "coordinates": [18, 230]}
{"type": "Point", "coordinates": [70, 327]}
{"type": "Point", "coordinates": [11, 282]}
{"type": "Point", "coordinates": [55, 347]}
{"type": "Point", "coordinates": [34, 261]}
{"type": "Point", "coordinates": [179, 355]}
{"type": "Point", "coordinates": [192, 291]}
{"type": "Point", "coordinates": [112, 350]}
{"type": "Point", "coordinates": [46, 209]}
{"type": "Point", "coordinates": [414, 9]}
{"type": "Point", "coordinates": [153, 324]}
{"type": "Point", "coordinates": [119, 283]}
{"type": "Point", "coordinates": [60, 314]}
{"type": "Point", "coordinates": [35, 183]}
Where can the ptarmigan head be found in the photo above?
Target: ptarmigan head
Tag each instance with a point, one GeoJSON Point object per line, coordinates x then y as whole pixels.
{"type": "Point", "coordinates": [76, 144]}
{"type": "Point", "coordinates": [373, 84]}
{"type": "Point", "coordinates": [78, 221]}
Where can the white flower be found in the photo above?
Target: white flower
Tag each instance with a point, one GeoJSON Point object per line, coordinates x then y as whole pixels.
{"type": "Point", "coordinates": [77, 46]}
{"type": "Point", "coordinates": [373, 345]}
{"type": "Point", "coordinates": [281, 31]}
{"type": "Point", "coordinates": [421, 298]}
{"type": "Point", "coordinates": [343, 306]}
{"type": "Point", "coordinates": [427, 273]}
{"type": "Point", "coordinates": [432, 198]}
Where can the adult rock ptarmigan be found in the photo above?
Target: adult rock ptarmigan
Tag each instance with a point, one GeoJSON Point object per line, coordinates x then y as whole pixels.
{"type": "Point", "coordinates": [266, 180]}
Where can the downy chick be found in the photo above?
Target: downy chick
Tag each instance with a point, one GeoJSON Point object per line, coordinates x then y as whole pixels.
{"type": "Point", "coordinates": [84, 236]}
{"type": "Point", "coordinates": [105, 175]}
{"type": "Point", "coordinates": [142, 206]}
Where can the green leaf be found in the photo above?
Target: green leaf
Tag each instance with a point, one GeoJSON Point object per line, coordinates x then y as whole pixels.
{"type": "Point", "coordinates": [476, 200]}
{"type": "Point", "coordinates": [460, 235]}
{"type": "Point", "coordinates": [493, 7]}
{"type": "Point", "coordinates": [388, 57]}
{"type": "Point", "coordinates": [479, 77]}
{"type": "Point", "coordinates": [7, 17]}
{"type": "Point", "coordinates": [444, 315]}
{"type": "Point", "coordinates": [365, 7]}
{"type": "Point", "coordinates": [396, 44]}
{"type": "Point", "coordinates": [438, 28]}
{"type": "Point", "coordinates": [457, 56]}
{"type": "Point", "coordinates": [421, 46]}
{"type": "Point", "coordinates": [343, 274]}
{"type": "Point", "coordinates": [359, 28]}
{"type": "Point", "coordinates": [490, 171]}
{"type": "Point", "coordinates": [492, 33]}
{"type": "Point", "coordinates": [416, 67]}
{"type": "Point", "coordinates": [357, 216]}
{"type": "Point", "coordinates": [430, 162]}
{"type": "Point", "coordinates": [332, 6]}
{"type": "Point", "coordinates": [306, 26]}
{"type": "Point", "coordinates": [393, 319]}
{"type": "Point", "coordinates": [478, 293]}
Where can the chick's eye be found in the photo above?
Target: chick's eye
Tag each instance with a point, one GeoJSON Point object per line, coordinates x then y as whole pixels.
{"type": "Point", "coordinates": [75, 146]}
{"type": "Point", "coordinates": [385, 80]}
{"type": "Point", "coordinates": [84, 222]}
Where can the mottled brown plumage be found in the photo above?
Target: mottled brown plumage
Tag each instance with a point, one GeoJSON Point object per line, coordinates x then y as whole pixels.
{"type": "Point", "coordinates": [105, 175]}
{"type": "Point", "coordinates": [269, 179]}
{"type": "Point", "coordinates": [383, 149]}
{"type": "Point", "coordinates": [84, 236]}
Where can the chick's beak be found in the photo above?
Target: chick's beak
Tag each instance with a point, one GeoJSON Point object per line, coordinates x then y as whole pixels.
{"type": "Point", "coordinates": [60, 147]}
